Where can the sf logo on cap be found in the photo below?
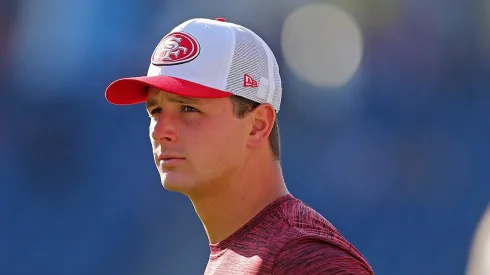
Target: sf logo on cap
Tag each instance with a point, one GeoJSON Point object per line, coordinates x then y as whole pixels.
{"type": "Point", "coordinates": [175, 48]}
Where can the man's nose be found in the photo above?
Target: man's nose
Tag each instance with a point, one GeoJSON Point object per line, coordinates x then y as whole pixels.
{"type": "Point", "coordinates": [164, 128]}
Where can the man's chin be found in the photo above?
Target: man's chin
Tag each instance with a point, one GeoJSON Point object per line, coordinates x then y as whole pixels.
{"type": "Point", "coordinates": [171, 187]}
{"type": "Point", "coordinates": [173, 183]}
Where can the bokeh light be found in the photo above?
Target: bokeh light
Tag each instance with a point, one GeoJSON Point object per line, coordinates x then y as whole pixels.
{"type": "Point", "coordinates": [479, 260]}
{"type": "Point", "coordinates": [322, 44]}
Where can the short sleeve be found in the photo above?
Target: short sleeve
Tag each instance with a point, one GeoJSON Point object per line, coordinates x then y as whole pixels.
{"type": "Point", "coordinates": [314, 257]}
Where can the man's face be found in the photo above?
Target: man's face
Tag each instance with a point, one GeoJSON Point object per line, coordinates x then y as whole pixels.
{"type": "Point", "coordinates": [197, 143]}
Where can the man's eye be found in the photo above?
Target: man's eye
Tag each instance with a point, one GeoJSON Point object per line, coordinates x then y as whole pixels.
{"type": "Point", "coordinates": [156, 111]}
{"type": "Point", "coordinates": [187, 109]}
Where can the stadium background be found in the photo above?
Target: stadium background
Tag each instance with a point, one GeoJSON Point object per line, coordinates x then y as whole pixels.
{"type": "Point", "coordinates": [385, 128]}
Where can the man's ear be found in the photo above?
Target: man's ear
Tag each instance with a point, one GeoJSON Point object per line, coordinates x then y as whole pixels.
{"type": "Point", "coordinates": [262, 119]}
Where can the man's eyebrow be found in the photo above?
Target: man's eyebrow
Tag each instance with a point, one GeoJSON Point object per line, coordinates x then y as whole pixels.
{"type": "Point", "coordinates": [174, 99]}
{"type": "Point", "coordinates": [182, 99]}
{"type": "Point", "coordinates": [150, 103]}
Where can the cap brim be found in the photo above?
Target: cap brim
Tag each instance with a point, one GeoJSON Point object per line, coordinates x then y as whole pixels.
{"type": "Point", "coordinates": [133, 90]}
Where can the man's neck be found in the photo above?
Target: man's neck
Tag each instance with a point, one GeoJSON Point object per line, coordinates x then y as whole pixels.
{"type": "Point", "coordinates": [224, 213]}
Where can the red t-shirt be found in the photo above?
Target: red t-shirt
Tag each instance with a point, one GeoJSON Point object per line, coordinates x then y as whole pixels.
{"type": "Point", "coordinates": [286, 237]}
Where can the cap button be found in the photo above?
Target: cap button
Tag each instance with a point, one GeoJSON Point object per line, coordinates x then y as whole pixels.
{"type": "Point", "coordinates": [221, 19]}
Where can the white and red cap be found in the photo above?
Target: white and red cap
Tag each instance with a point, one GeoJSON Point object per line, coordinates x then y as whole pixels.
{"type": "Point", "coordinates": [205, 58]}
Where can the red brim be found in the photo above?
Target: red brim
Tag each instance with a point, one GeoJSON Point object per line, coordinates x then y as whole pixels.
{"type": "Point", "coordinates": [127, 91]}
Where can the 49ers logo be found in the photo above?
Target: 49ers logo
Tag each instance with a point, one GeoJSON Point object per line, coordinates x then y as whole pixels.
{"type": "Point", "coordinates": [175, 48]}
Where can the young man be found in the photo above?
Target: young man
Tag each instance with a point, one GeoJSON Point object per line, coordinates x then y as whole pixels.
{"type": "Point", "coordinates": [212, 93]}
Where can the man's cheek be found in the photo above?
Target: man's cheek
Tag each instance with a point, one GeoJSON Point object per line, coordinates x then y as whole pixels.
{"type": "Point", "coordinates": [150, 132]}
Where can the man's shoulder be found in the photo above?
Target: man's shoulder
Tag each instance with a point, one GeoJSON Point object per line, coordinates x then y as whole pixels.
{"type": "Point", "coordinates": [301, 220]}
{"type": "Point", "coordinates": [294, 216]}
{"type": "Point", "coordinates": [313, 255]}
{"type": "Point", "coordinates": [308, 238]}
{"type": "Point", "coordinates": [292, 221]}
{"type": "Point", "coordinates": [286, 222]}
{"type": "Point", "coordinates": [289, 238]}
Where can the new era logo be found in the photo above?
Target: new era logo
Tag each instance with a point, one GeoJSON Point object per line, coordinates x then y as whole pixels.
{"type": "Point", "coordinates": [248, 81]}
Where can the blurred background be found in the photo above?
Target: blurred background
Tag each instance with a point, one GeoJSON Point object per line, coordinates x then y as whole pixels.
{"type": "Point", "coordinates": [385, 128]}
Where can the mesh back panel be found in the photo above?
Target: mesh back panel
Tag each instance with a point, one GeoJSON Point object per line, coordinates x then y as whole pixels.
{"type": "Point", "coordinates": [250, 57]}
{"type": "Point", "coordinates": [276, 100]}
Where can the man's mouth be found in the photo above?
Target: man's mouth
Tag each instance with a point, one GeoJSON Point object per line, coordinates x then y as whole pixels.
{"type": "Point", "coordinates": [168, 159]}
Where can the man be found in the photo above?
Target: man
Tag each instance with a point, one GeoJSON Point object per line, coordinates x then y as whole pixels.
{"type": "Point", "coordinates": [212, 93]}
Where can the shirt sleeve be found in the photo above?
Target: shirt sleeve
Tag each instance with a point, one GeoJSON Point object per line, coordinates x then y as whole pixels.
{"type": "Point", "coordinates": [314, 257]}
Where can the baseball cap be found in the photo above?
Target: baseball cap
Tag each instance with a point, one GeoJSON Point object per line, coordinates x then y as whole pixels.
{"type": "Point", "coordinates": [205, 58]}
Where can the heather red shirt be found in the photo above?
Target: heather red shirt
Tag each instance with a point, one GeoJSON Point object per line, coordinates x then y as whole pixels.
{"type": "Point", "coordinates": [287, 237]}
